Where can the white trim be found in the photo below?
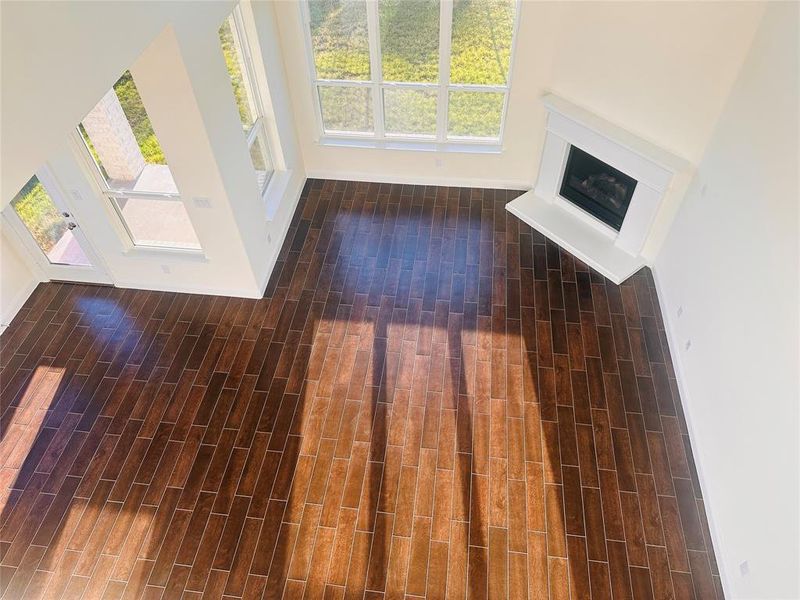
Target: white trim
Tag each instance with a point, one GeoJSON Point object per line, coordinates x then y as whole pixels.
{"type": "Point", "coordinates": [375, 68]}
{"type": "Point", "coordinates": [407, 143]}
{"type": "Point", "coordinates": [457, 87]}
{"type": "Point", "coordinates": [445, 41]}
{"type": "Point", "coordinates": [511, 56]}
{"type": "Point", "coordinates": [683, 389]}
{"type": "Point", "coordinates": [460, 182]}
{"type": "Point", "coordinates": [170, 252]}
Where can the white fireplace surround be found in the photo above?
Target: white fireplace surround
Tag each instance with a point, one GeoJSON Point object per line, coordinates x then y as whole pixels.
{"type": "Point", "coordinates": [661, 180]}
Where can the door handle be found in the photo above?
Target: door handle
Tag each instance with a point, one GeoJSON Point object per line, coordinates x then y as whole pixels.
{"type": "Point", "coordinates": [71, 226]}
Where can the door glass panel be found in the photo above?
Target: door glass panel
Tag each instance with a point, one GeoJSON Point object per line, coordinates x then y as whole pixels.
{"type": "Point", "coordinates": [158, 222]}
{"type": "Point", "coordinates": [124, 145]}
{"type": "Point", "coordinates": [47, 225]}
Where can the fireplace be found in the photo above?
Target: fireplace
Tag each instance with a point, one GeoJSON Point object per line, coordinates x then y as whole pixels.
{"type": "Point", "coordinates": [602, 193]}
{"type": "Point", "coordinates": [596, 187]}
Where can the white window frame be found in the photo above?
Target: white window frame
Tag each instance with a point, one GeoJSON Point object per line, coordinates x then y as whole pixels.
{"type": "Point", "coordinates": [441, 141]}
{"type": "Point", "coordinates": [113, 194]}
{"type": "Point", "coordinates": [258, 130]}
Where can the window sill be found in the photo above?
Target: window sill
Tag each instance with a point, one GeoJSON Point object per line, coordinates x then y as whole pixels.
{"type": "Point", "coordinates": [275, 192]}
{"type": "Point", "coordinates": [412, 145]}
{"type": "Point", "coordinates": [150, 252]}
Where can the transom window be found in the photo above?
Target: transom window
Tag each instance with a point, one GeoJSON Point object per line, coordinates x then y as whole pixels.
{"type": "Point", "coordinates": [421, 69]}
{"type": "Point", "coordinates": [236, 51]}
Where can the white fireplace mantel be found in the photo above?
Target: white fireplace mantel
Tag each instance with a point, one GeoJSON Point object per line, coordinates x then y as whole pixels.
{"type": "Point", "coordinates": [660, 179]}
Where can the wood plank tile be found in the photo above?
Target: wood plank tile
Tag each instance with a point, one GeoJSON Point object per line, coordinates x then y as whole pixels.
{"type": "Point", "coordinates": [431, 400]}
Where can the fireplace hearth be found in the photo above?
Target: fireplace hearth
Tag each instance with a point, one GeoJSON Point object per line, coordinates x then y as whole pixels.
{"type": "Point", "coordinates": [596, 187]}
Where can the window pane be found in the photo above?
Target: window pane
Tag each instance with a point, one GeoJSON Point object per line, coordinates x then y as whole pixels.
{"type": "Point", "coordinates": [409, 111]}
{"type": "Point", "coordinates": [232, 50]}
{"type": "Point", "coordinates": [47, 226]}
{"type": "Point", "coordinates": [339, 39]}
{"type": "Point", "coordinates": [121, 139]}
{"type": "Point", "coordinates": [410, 40]}
{"type": "Point", "coordinates": [261, 163]}
{"type": "Point", "coordinates": [157, 222]}
{"type": "Point", "coordinates": [481, 41]}
{"type": "Point", "coordinates": [475, 114]}
{"type": "Point", "coordinates": [346, 108]}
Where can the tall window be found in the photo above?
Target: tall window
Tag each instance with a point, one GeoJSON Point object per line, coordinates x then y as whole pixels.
{"type": "Point", "coordinates": [133, 171]}
{"type": "Point", "coordinates": [422, 69]}
{"type": "Point", "coordinates": [240, 68]}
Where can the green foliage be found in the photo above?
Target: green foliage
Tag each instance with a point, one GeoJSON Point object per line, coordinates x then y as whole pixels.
{"type": "Point", "coordinates": [481, 41]}
{"type": "Point", "coordinates": [40, 215]}
{"type": "Point", "coordinates": [340, 40]}
{"type": "Point", "coordinates": [234, 66]}
{"type": "Point", "coordinates": [475, 114]}
{"type": "Point", "coordinates": [410, 40]}
{"type": "Point", "coordinates": [151, 150]}
{"type": "Point", "coordinates": [137, 117]}
{"type": "Point", "coordinates": [346, 108]}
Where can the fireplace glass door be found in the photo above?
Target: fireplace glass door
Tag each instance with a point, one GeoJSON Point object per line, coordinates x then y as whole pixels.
{"type": "Point", "coordinates": [596, 187]}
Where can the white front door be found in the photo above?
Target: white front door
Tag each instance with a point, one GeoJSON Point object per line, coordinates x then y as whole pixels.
{"type": "Point", "coordinates": [45, 224]}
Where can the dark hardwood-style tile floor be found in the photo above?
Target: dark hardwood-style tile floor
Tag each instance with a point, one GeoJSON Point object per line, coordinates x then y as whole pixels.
{"type": "Point", "coordinates": [432, 400]}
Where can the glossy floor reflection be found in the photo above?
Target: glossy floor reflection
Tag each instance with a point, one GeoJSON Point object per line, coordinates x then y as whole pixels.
{"type": "Point", "coordinates": [431, 401]}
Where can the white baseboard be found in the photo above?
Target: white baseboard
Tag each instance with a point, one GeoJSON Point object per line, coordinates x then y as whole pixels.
{"type": "Point", "coordinates": [673, 341]}
{"type": "Point", "coordinates": [502, 184]}
{"type": "Point", "coordinates": [10, 310]}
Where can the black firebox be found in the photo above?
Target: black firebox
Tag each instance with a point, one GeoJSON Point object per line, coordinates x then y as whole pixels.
{"type": "Point", "coordinates": [598, 188]}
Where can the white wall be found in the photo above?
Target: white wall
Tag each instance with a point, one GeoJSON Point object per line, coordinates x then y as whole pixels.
{"type": "Point", "coordinates": [661, 70]}
{"type": "Point", "coordinates": [73, 53]}
{"type": "Point", "coordinates": [731, 261]}
{"type": "Point", "coordinates": [18, 277]}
